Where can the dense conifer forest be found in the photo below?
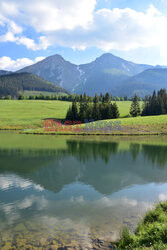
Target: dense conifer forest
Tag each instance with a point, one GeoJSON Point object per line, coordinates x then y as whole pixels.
{"type": "Point", "coordinates": [100, 109]}
{"type": "Point", "coordinates": [15, 83]}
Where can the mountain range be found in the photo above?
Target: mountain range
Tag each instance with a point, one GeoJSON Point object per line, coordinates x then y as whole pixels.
{"type": "Point", "coordinates": [104, 74]}
{"type": "Point", "coordinates": [108, 73]}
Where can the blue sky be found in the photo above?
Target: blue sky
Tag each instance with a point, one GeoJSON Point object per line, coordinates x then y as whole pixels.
{"type": "Point", "coordinates": [81, 30]}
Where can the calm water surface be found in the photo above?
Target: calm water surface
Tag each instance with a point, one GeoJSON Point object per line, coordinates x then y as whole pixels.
{"type": "Point", "coordinates": [57, 191]}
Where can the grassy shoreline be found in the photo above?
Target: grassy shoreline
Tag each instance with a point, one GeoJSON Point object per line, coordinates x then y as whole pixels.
{"type": "Point", "coordinates": [149, 125]}
{"type": "Point", "coordinates": [151, 232]}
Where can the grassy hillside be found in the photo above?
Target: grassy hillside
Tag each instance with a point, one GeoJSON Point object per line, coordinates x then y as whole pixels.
{"type": "Point", "coordinates": [30, 114]}
{"type": "Point", "coordinates": [14, 83]}
{"type": "Point", "coordinates": [148, 125]}
{"type": "Point", "coordinates": [27, 114]}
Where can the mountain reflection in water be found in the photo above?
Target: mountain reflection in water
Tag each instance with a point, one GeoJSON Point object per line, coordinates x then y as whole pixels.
{"type": "Point", "coordinates": [83, 190]}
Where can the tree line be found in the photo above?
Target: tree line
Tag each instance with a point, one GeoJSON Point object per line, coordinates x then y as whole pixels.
{"type": "Point", "coordinates": [156, 104]}
{"type": "Point", "coordinates": [100, 109]}
{"type": "Point", "coordinates": [61, 97]}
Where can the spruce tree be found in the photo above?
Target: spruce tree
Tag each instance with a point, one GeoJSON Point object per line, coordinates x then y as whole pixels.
{"type": "Point", "coordinates": [107, 98]}
{"type": "Point", "coordinates": [83, 108]}
{"type": "Point", "coordinates": [115, 110]}
{"type": "Point", "coordinates": [96, 111]}
{"type": "Point", "coordinates": [135, 107]}
{"type": "Point", "coordinates": [162, 100]}
{"type": "Point", "coordinates": [146, 111]}
{"type": "Point", "coordinates": [74, 111]}
{"type": "Point", "coordinates": [154, 104]}
{"type": "Point", "coordinates": [101, 97]}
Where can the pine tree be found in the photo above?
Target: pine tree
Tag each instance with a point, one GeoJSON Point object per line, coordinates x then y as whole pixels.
{"type": "Point", "coordinates": [162, 101]}
{"type": "Point", "coordinates": [83, 108]}
{"type": "Point", "coordinates": [106, 111]}
{"type": "Point", "coordinates": [107, 98]}
{"type": "Point", "coordinates": [96, 111]}
{"type": "Point", "coordinates": [101, 97]}
{"type": "Point", "coordinates": [154, 104]}
{"type": "Point", "coordinates": [74, 111]}
{"type": "Point", "coordinates": [115, 110]}
{"type": "Point", "coordinates": [145, 111]}
{"type": "Point", "coordinates": [135, 107]}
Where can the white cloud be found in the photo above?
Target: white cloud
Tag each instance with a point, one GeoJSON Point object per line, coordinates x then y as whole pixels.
{"type": "Point", "coordinates": [51, 15]}
{"type": "Point", "coordinates": [14, 28]}
{"type": "Point", "coordinates": [6, 63]}
{"type": "Point", "coordinates": [8, 8]}
{"type": "Point", "coordinates": [46, 17]}
{"type": "Point", "coordinates": [9, 36]}
{"type": "Point", "coordinates": [76, 24]}
{"type": "Point", "coordinates": [118, 29]}
{"type": "Point", "coordinates": [30, 44]}
{"type": "Point", "coordinates": [13, 32]}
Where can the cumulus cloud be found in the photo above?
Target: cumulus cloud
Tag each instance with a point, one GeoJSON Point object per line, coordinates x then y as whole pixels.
{"type": "Point", "coordinates": [51, 15]}
{"type": "Point", "coordinates": [30, 44]}
{"type": "Point", "coordinates": [45, 17]}
{"type": "Point", "coordinates": [118, 29]}
{"type": "Point", "coordinates": [42, 44]}
{"type": "Point", "coordinates": [77, 24]}
{"type": "Point", "coordinates": [12, 32]}
{"type": "Point", "coordinates": [6, 63]}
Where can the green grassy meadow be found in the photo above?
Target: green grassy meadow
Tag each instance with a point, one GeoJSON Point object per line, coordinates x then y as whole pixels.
{"type": "Point", "coordinates": [30, 114]}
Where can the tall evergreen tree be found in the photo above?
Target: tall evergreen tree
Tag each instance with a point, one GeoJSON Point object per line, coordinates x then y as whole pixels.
{"type": "Point", "coordinates": [135, 107]}
{"type": "Point", "coordinates": [107, 98]}
{"type": "Point", "coordinates": [115, 110]}
{"type": "Point", "coordinates": [83, 107]}
{"type": "Point", "coordinates": [96, 111]}
{"type": "Point", "coordinates": [162, 101]}
{"type": "Point", "coordinates": [101, 97]}
{"type": "Point", "coordinates": [75, 111]}
{"type": "Point", "coordinates": [145, 111]}
{"type": "Point", "coordinates": [154, 104]}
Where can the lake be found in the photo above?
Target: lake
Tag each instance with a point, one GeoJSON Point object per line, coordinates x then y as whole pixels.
{"type": "Point", "coordinates": [76, 192]}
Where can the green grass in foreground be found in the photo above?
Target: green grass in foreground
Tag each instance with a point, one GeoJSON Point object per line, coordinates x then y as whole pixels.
{"type": "Point", "coordinates": [31, 113]}
{"type": "Point", "coordinates": [151, 232]}
{"type": "Point", "coordinates": [150, 125]}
